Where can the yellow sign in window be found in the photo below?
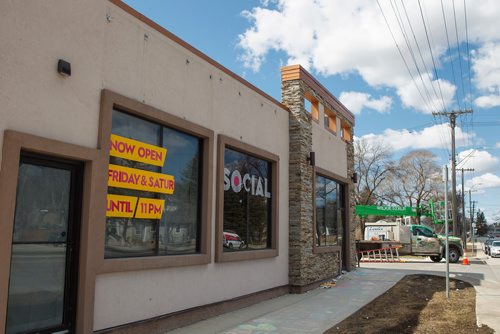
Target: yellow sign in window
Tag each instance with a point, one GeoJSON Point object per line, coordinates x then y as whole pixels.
{"type": "Point", "coordinates": [137, 179]}
{"type": "Point", "coordinates": [150, 208]}
{"type": "Point", "coordinates": [121, 206]}
{"type": "Point", "coordinates": [133, 207]}
{"type": "Point", "coordinates": [130, 149]}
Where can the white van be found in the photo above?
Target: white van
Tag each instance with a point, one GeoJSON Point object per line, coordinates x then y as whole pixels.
{"type": "Point", "coordinates": [232, 240]}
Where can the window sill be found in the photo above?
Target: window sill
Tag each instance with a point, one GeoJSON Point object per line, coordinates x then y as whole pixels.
{"type": "Point", "coordinates": [153, 262]}
{"type": "Point", "coordinates": [222, 256]}
{"type": "Point", "coordinates": [331, 131]}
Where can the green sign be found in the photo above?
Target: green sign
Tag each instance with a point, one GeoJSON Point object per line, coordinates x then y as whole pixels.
{"type": "Point", "coordinates": [373, 210]}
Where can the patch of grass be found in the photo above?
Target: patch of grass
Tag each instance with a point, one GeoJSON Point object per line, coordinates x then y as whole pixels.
{"type": "Point", "coordinates": [418, 304]}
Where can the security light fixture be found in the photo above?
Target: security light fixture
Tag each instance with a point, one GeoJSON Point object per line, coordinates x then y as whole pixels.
{"type": "Point", "coordinates": [312, 158]}
{"type": "Point", "coordinates": [354, 178]}
{"type": "Point", "coordinates": [64, 68]}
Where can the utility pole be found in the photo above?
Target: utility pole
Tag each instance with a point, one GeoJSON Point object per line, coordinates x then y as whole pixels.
{"type": "Point", "coordinates": [447, 241]}
{"type": "Point", "coordinates": [471, 211]}
{"type": "Point", "coordinates": [464, 228]}
{"type": "Point", "coordinates": [453, 116]}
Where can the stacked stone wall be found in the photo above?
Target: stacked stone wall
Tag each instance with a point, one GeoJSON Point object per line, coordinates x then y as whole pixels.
{"type": "Point", "coordinates": [305, 266]}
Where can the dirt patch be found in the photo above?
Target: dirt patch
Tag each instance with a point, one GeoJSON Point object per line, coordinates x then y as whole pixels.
{"type": "Point", "coordinates": [418, 304]}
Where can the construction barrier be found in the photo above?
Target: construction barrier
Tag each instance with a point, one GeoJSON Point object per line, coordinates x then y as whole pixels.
{"type": "Point", "coordinates": [465, 260]}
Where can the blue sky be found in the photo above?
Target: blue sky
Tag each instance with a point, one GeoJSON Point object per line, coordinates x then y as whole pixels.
{"type": "Point", "coordinates": [348, 46]}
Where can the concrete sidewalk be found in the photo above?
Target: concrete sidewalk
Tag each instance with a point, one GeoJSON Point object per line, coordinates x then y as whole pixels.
{"type": "Point", "coordinates": [320, 309]}
{"type": "Point", "coordinates": [312, 312]}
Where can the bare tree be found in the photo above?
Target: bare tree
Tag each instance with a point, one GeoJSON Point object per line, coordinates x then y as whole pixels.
{"type": "Point", "coordinates": [415, 180]}
{"type": "Point", "coordinates": [372, 163]}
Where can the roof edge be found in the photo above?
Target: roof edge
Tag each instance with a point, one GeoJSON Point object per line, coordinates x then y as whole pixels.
{"type": "Point", "coordinates": [294, 72]}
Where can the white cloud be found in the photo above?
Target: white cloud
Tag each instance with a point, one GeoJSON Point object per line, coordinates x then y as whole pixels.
{"type": "Point", "coordinates": [436, 136]}
{"type": "Point", "coordinates": [411, 96]}
{"type": "Point", "coordinates": [484, 181]}
{"type": "Point", "coordinates": [356, 101]}
{"type": "Point", "coordinates": [486, 66]}
{"type": "Point", "coordinates": [480, 161]}
{"type": "Point", "coordinates": [343, 37]}
{"type": "Point", "coordinates": [487, 101]}
{"type": "Point", "coordinates": [497, 145]}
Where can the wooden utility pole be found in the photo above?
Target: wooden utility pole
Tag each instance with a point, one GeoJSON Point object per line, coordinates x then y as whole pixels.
{"type": "Point", "coordinates": [471, 209]}
{"type": "Point", "coordinates": [464, 226]}
{"type": "Point", "coordinates": [454, 211]}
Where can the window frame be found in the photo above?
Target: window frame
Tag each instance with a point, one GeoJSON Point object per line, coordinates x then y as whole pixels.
{"type": "Point", "coordinates": [330, 121]}
{"type": "Point", "coordinates": [234, 144]}
{"type": "Point", "coordinates": [345, 132]}
{"type": "Point", "coordinates": [345, 183]}
{"type": "Point", "coordinates": [110, 101]}
{"type": "Point", "coordinates": [314, 111]}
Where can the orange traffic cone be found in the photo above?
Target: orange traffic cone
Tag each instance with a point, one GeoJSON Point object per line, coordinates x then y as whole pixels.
{"type": "Point", "coordinates": [465, 260]}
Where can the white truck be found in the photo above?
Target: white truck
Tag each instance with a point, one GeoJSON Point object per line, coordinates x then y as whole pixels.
{"type": "Point", "coordinates": [416, 240]}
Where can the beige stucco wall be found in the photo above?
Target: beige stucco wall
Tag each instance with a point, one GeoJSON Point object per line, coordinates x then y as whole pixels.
{"type": "Point", "coordinates": [115, 55]}
{"type": "Point", "coordinates": [330, 149]}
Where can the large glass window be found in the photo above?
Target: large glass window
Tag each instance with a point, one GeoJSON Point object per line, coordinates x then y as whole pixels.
{"type": "Point", "coordinates": [247, 202]}
{"type": "Point", "coordinates": [330, 209]}
{"type": "Point", "coordinates": [153, 190]}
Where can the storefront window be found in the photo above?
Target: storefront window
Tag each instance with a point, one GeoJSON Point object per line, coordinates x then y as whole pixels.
{"type": "Point", "coordinates": [247, 202]}
{"type": "Point", "coordinates": [330, 210]}
{"type": "Point", "coordinates": [153, 190]}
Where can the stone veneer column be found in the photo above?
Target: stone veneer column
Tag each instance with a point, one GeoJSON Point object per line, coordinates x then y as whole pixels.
{"type": "Point", "coordinates": [306, 267]}
{"type": "Point", "coordinates": [351, 205]}
{"type": "Point", "coordinates": [300, 182]}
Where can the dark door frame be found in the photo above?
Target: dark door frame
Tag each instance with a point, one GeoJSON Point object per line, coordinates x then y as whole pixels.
{"type": "Point", "coordinates": [76, 169]}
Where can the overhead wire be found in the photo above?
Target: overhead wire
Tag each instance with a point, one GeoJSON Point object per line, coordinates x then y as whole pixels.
{"type": "Point", "coordinates": [400, 52]}
{"type": "Point", "coordinates": [463, 121]}
{"type": "Point", "coordinates": [449, 47]}
{"type": "Point", "coordinates": [468, 55]}
{"type": "Point", "coordinates": [430, 49]}
{"type": "Point", "coordinates": [435, 73]}
{"type": "Point", "coordinates": [419, 51]}
{"type": "Point", "coordinates": [402, 28]}
{"type": "Point", "coordinates": [458, 48]}
{"type": "Point", "coordinates": [468, 66]}
{"type": "Point", "coordinates": [432, 96]}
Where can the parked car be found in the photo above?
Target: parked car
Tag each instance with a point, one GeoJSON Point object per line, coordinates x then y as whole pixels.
{"type": "Point", "coordinates": [487, 244]}
{"type": "Point", "coordinates": [232, 240]}
{"type": "Point", "coordinates": [494, 248]}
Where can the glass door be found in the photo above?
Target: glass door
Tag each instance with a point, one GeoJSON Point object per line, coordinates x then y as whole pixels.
{"type": "Point", "coordinates": [43, 273]}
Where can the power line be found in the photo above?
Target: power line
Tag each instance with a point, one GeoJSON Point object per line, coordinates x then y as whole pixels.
{"type": "Point", "coordinates": [449, 48]}
{"type": "Point", "coordinates": [402, 28]}
{"type": "Point", "coordinates": [401, 54]}
{"type": "Point", "coordinates": [420, 53]}
{"type": "Point", "coordinates": [486, 123]}
{"type": "Point", "coordinates": [464, 159]}
{"type": "Point", "coordinates": [458, 48]}
{"type": "Point", "coordinates": [468, 54]}
{"type": "Point", "coordinates": [430, 49]}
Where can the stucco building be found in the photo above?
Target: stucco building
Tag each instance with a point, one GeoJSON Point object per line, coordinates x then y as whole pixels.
{"type": "Point", "coordinates": [143, 186]}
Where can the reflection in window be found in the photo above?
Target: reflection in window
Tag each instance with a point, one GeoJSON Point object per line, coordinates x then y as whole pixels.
{"type": "Point", "coordinates": [38, 258]}
{"type": "Point", "coordinates": [330, 210]}
{"type": "Point", "coordinates": [178, 230]}
{"type": "Point", "coordinates": [247, 202]}
{"type": "Point", "coordinates": [42, 215]}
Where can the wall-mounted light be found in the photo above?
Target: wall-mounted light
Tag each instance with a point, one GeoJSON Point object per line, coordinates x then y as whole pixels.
{"type": "Point", "coordinates": [64, 68]}
{"type": "Point", "coordinates": [312, 158]}
{"type": "Point", "coordinates": [354, 177]}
